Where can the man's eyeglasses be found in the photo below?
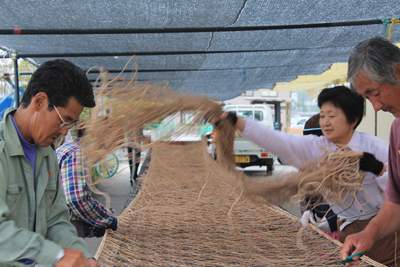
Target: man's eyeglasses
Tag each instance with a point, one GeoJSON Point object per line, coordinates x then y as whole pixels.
{"type": "Point", "coordinates": [64, 125]}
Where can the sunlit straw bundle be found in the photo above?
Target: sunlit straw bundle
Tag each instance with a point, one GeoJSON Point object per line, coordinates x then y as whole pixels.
{"type": "Point", "coordinates": [123, 107]}
{"type": "Point", "coordinates": [334, 175]}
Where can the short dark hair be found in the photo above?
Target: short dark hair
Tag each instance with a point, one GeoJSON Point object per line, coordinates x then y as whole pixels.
{"type": "Point", "coordinates": [342, 97]}
{"type": "Point", "coordinates": [60, 80]}
{"type": "Point", "coordinates": [376, 57]}
{"type": "Point", "coordinates": [312, 122]}
{"type": "Point", "coordinates": [312, 126]}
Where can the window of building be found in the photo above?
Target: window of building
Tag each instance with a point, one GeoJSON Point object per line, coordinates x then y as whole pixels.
{"type": "Point", "coordinates": [269, 93]}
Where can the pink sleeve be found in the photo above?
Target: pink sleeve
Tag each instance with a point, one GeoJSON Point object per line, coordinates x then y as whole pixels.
{"type": "Point", "coordinates": [392, 191]}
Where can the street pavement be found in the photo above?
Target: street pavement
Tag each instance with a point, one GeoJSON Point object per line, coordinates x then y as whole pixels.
{"type": "Point", "coordinates": [119, 189]}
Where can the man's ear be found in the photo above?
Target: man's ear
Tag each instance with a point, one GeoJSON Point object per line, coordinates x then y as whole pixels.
{"type": "Point", "coordinates": [39, 101]}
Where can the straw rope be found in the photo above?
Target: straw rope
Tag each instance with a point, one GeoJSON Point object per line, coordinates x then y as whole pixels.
{"type": "Point", "coordinates": [195, 218]}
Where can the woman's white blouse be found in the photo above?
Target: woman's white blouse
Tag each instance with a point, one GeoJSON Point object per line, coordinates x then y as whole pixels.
{"type": "Point", "coordinates": [298, 150]}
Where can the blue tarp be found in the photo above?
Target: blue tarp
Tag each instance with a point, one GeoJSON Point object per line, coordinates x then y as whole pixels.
{"type": "Point", "coordinates": [9, 101]}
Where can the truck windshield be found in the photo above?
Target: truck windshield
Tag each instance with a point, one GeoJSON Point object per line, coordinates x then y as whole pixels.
{"type": "Point", "coordinates": [258, 115]}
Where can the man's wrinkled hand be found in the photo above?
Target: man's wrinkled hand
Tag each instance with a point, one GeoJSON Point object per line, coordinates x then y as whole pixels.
{"type": "Point", "coordinates": [354, 244]}
{"type": "Point", "coordinates": [93, 262]}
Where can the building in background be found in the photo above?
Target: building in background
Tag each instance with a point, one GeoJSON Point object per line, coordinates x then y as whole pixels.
{"type": "Point", "coordinates": [280, 103]}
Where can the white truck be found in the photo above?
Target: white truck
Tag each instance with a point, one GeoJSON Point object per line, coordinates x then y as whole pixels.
{"type": "Point", "coordinates": [246, 152]}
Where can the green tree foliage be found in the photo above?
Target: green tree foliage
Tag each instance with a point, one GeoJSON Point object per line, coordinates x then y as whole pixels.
{"type": "Point", "coordinates": [304, 103]}
{"type": "Point", "coordinates": [7, 72]}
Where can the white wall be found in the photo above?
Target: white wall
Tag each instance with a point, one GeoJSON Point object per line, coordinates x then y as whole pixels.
{"type": "Point", "coordinates": [384, 121]}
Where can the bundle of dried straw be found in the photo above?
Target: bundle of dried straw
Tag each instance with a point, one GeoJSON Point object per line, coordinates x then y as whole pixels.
{"type": "Point", "coordinates": [192, 210]}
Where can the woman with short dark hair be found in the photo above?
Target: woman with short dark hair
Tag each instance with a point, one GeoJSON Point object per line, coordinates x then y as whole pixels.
{"type": "Point", "coordinates": [341, 112]}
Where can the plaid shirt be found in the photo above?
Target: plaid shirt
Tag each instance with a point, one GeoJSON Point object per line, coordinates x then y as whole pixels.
{"type": "Point", "coordinates": [76, 181]}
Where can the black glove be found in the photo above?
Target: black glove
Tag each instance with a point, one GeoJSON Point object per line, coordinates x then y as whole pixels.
{"type": "Point", "coordinates": [99, 231]}
{"type": "Point", "coordinates": [114, 225]}
{"type": "Point", "coordinates": [369, 163]}
{"type": "Point", "coordinates": [231, 117]}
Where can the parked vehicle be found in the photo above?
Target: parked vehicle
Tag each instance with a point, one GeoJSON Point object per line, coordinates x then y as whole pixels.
{"type": "Point", "coordinates": [298, 122]}
{"type": "Point", "coordinates": [246, 152]}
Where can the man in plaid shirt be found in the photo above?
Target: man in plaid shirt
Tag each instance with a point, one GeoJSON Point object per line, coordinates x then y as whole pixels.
{"type": "Point", "coordinates": [88, 216]}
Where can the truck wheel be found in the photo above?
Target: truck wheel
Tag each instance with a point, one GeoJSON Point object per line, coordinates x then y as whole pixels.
{"type": "Point", "coordinates": [270, 168]}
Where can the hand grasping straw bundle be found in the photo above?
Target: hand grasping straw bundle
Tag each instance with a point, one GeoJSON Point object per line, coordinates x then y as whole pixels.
{"type": "Point", "coordinates": [338, 174]}
{"type": "Point", "coordinates": [124, 106]}
{"type": "Point", "coordinates": [334, 175]}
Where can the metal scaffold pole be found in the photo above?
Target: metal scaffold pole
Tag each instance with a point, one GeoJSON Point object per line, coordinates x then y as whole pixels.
{"type": "Point", "coordinates": [15, 59]}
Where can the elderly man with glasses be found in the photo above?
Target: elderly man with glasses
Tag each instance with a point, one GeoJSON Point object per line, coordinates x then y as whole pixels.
{"type": "Point", "coordinates": [34, 218]}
